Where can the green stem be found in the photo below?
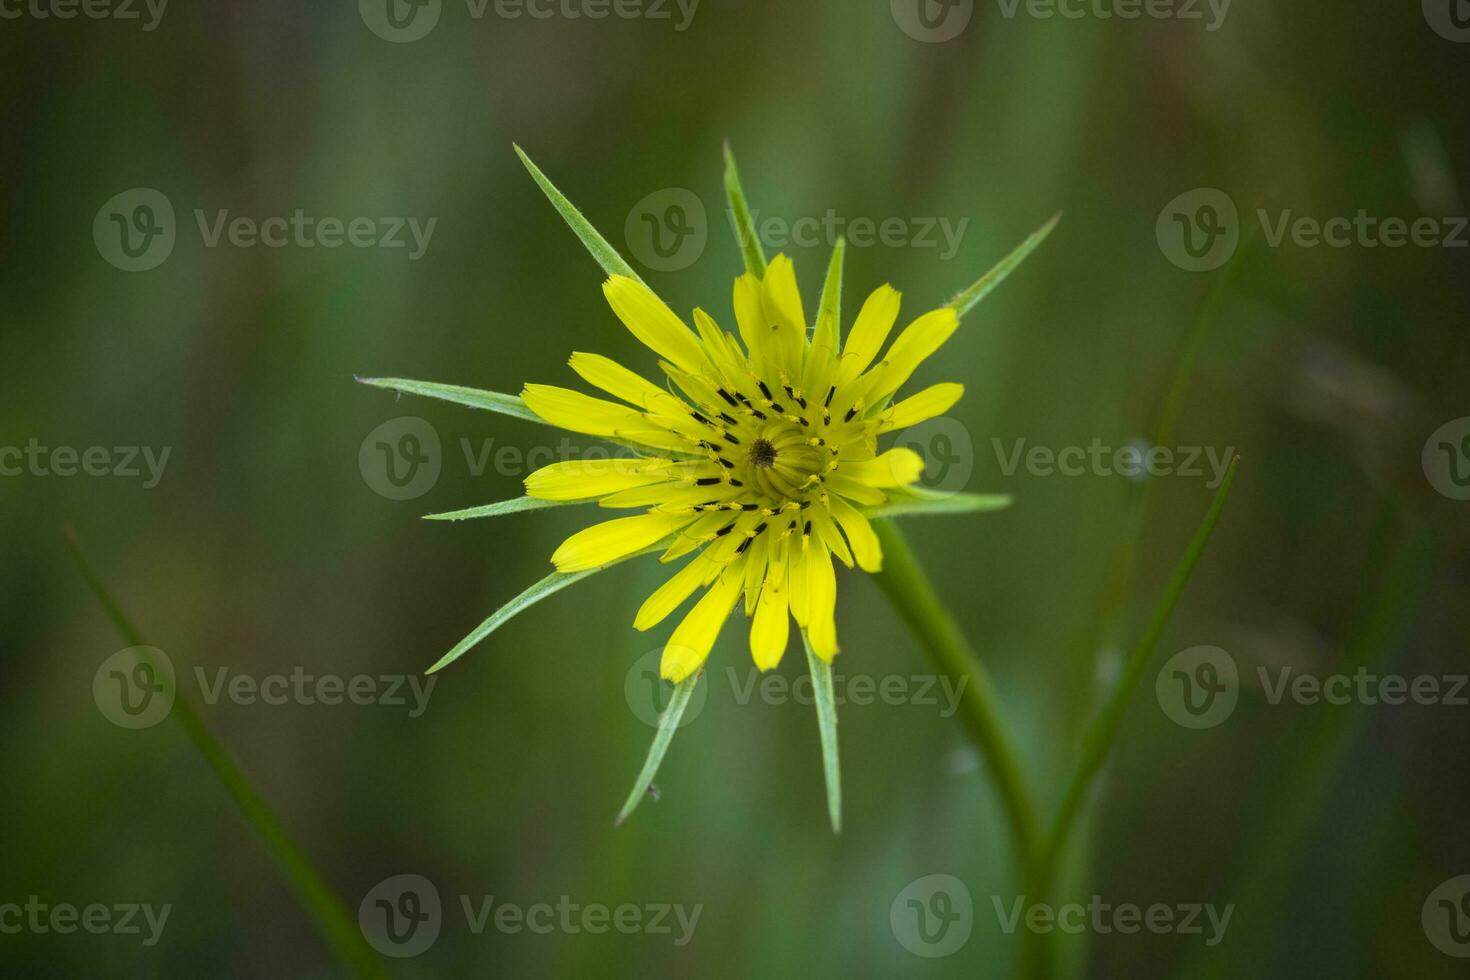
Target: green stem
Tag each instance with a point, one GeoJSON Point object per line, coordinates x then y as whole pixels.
{"type": "Point", "coordinates": [912, 594]}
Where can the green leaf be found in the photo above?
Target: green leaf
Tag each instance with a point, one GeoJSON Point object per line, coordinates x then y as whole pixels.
{"type": "Point", "coordinates": [832, 289]}
{"type": "Point", "coordinates": [612, 263]}
{"type": "Point", "coordinates": [918, 501]}
{"type": "Point", "coordinates": [668, 723]}
{"type": "Point", "coordinates": [750, 243]}
{"type": "Point", "coordinates": [966, 300]}
{"type": "Point", "coordinates": [492, 401]}
{"type": "Point", "coordinates": [513, 506]}
{"type": "Point", "coordinates": [1104, 729]}
{"type": "Point", "coordinates": [550, 585]}
{"type": "Point", "coordinates": [338, 929]}
{"type": "Point", "coordinates": [827, 722]}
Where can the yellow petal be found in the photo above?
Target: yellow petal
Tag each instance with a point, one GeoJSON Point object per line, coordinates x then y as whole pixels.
{"type": "Point", "coordinates": [852, 489]}
{"type": "Point", "coordinates": [671, 595]}
{"type": "Point", "coordinates": [603, 543]}
{"type": "Point", "coordinates": [586, 479]}
{"type": "Point", "coordinates": [932, 401]}
{"type": "Point", "coordinates": [919, 339]}
{"type": "Point", "coordinates": [613, 378]}
{"type": "Point", "coordinates": [895, 468]}
{"type": "Point", "coordinates": [751, 319]}
{"type": "Point", "coordinates": [869, 332]}
{"type": "Point", "coordinates": [690, 645]}
{"type": "Point", "coordinates": [822, 596]}
{"type": "Point", "coordinates": [652, 322]}
{"type": "Point", "coordinates": [860, 536]}
{"type": "Point", "coordinates": [770, 629]}
{"type": "Point", "coordinates": [781, 303]}
{"type": "Point", "coordinates": [577, 412]}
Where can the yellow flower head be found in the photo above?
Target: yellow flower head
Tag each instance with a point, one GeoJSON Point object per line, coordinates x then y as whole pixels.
{"type": "Point", "coordinates": [763, 469]}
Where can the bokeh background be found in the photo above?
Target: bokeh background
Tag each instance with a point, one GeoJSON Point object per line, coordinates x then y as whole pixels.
{"type": "Point", "coordinates": [266, 546]}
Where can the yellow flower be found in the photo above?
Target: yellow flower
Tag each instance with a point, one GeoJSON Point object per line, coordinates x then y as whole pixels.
{"type": "Point", "coordinates": [764, 468]}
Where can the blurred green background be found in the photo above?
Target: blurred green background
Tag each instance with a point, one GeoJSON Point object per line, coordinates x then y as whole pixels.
{"type": "Point", "coordinates": [265, 546]}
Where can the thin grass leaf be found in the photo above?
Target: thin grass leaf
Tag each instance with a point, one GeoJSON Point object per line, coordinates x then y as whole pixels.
{"type": "Point", "coordinates": [492, 401]}
{"type": "Point", "coordinates": [337, 928]}
{"type": "Point", "coordinates": [513, 506]}
{"type": "Point", "coordinates": [832, 288]}
{"type": "Point", "coordinates": [668, 723]}
{"type": "Point", "coordinates": [966, 300]}
{"type": "Point", "coordinates": [1103, 731]}
{"type": "Point", "coordinates": [826, 703]}
{"type": "Point", "coordinates": [548, 586]}
{"type": "Point", "coordinates": [612, 263]}
{"type": "Point", "coordinates": [920, 502]}
{"type": "Point", "coordinates": [740, 220]}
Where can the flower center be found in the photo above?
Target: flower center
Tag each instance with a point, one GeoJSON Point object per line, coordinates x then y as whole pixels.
{"type": "Point", "coordinates": [763, 454]}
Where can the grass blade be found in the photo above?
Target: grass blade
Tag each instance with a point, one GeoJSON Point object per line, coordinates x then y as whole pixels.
{"type": "Point", "coordinates": [513, 506]}
{"type": "Point", "coordinates": [337, 928]}
{"type": "Point", "coordinates": [668, 723]}
{"type": "Point", "coordinates": [966, 300]}
{"type": "Point", "coordinates": [750, 243]}
{"type": "Point", "coordinates": [1104, 729]}
{"type": "Point", "coordinates": [492, 401]}
{"type": "Point", "coordinates": [920, 502]}
{"type": "Point", "coordinates": [548, 586]}
{"type": "Point", "coordinates": [612, 263]}
{"type": "Point", "coordinates": [827, 721]}
{"type": "Point", "coordinates": [832, 288]}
